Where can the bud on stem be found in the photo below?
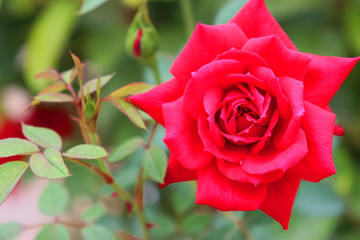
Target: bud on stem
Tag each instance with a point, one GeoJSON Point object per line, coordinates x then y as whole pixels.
{"type": "Point", "coordinates": [142, 39]}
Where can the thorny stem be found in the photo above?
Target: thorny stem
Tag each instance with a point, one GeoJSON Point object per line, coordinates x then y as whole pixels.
{"type": "Point", "coordinates": [239, 223]}
{"type": "Point", "coordinates": [188, 16]}
{"type": "Point", "coordinates": [91, 137]}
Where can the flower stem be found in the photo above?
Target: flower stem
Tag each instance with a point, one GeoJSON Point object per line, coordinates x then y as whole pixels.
{"type": "Point", "coordinates": [188, 16]}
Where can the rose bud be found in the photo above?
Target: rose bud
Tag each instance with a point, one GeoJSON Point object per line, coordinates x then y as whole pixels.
{"type": "Point", "coordinates": [246, 114]}
{"type": "Point", "coordinates": [142, 39]}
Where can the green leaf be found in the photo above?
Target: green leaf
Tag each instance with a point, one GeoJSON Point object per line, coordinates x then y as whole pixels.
{"type": "Point", "coordinates": [54, 199]}
{"type": "Point", "coordinates": [89, 5]}
{"type": "Point", "coordinates": [155, 163]}
{"type": "Point", "coordinates": [54, 97]}
{"type": "Point", "coordinates": [90, 86]}
{"type": "Point", "coordinates": [97, 232]}
{"type": "Point", "coordinates": [43, 137]}
{"type": "Point", "coordinates": [55, 87]}
{"type": "Point", "coordinates": [86, 151]}
{"type": "Point", "coordinates": [126, 149]}
{"type": "Point", "coordinates": [89, 107]}
{"type": "Point", "coordinates": [47, 39]}
{"type": "Point", "coordinates": [16, 146]}
{"type": "Point", "coordinates": [131, 89]}
{"type": "Point", "coordinates": [10, 231]}
{"type": "Point", "coordinates": [196, 223]}
{"type": "Point", "coordinates": [49, 165]}
{"type": "Point", "coordinates": [69, 75]}
{"type": "Point", "coordinates": [53, 232]}
{"type": "Point", "coordinates": [129, 110]}
{"type": "Point", "coordinates": [10, 174]}
{"type": "Point", "coordinates": [93, 213]}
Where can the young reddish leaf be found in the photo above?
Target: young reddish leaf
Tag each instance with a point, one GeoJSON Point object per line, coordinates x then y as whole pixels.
{"type": "Point", "coordinates": [90, 86]}
{"type": "Point", "coordinates": [125, 149]}
{"type": "Point", "coordinates": [50, 74]}
{"type": "Point", "coordinates": [43, 137]}
{"type": "Point", "coordinates": [155, 163]}
{"type": "Point", "coordinates": [49, 165]}
{"type": "Point", "coordinates": [86, 151]}
{"type": "Point", "coordinates": [78, 67]}
{"type": "Point", "coordinates": [129, 110]}
{"type": "Point", "coordinates": [131, 89]}
{"type": "Point", "coordinates": [16, 146]}
{"type": "Point", "coordinates": [56, 87]}
{"type": "Point", "coordinates": [54, 97]}
{"type": "Point", "coordinates": [10, 174]}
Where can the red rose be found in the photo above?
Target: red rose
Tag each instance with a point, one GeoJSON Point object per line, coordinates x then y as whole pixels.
{"type": "Point", "coordinates": [247, 115]}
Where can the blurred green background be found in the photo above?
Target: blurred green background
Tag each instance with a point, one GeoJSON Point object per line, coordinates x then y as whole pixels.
{"type": "Point", "coordinates": [35, 34]}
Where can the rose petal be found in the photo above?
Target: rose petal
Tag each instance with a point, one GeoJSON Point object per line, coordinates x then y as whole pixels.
{"type": "Point", "coordinates": [325, 76]}
{"type": "Point", "coordinates": [204, 45]}
{"type": "Point", "coordinates": [222, 74]}
{"type": "Point", "coordinates": [287, 127]}
{"type": "Point", "coordinates": [234, 172]}
{"type": "Point", "coordinates": [318, 125]}
{"type": "Point", "coordinates": [280, 198]}
{"type": "Point", "coordinates": [229, 151]}
{"type": "Point", "coordinates": [164, 93]}
{"type": "Point", "coordinates": [256, 21]}
{"type": "Point", "coordinates": [177, 173]}
{"type": "Point", "coordinates": [282, 61]}
{"type": "Point", "coordinates": [216, 190]}
{"type": "Point", "coordinates": [182, 138]}
{"type": "Point", "coordinates": [271, 158]}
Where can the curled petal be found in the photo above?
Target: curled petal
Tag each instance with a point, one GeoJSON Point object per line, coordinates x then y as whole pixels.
{"type": "Point", "coordinates": [177, 173]}
{"type": "Point", "coordinates": [182, 138]}
{"type": "Point", "coordinates": [216, 190]}
{"type": "Point", "coordinates": [317, 164]}
{"type": "Point", "coordinates": [288, 126]}
{"type": "Point", "coordinates": [164, 93]}
{"type": "Point", "coordinates": [283, 61]}
{"type": "Point", "coordinates": [280, 198]}
{"type": "Point", "coordinates": [234, 172]}
{"type": "Point", "coordinates": [256, 21]}
{"type": "Point", "coordinates": [204, 45]}
{"type": "Point", "coordinates": [270, 158]}
{"type": "Point", "coordinates": [325, 76]}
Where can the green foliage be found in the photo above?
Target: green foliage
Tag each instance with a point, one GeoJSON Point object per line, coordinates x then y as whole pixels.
{"type": "Point", "coordinates": [53, 232]}
{"type": "Point", "coordinates": [54, 199]}
{"type": "Point", "coordinates": [47, 39]}
{"type": "Point", "coordinates": [9, 231]}
{"type": "Point", "coordinates": [86, 151]}
{"type": "Point", "coordinates": [155, 163]}
{"type": "Point", "coordinates": [49, 165]}
{"type": "Point", "coordinates": [97, 232]}
{"type": "Point", "coordinates": [226, 13]}
{"type": "Point", "coordinates": [131, 89]}
{"type": "Point", "coordinates": [16, 146]}
{"type": "Point", "coordinates": [94, 213]}
{"type": "Point", "coordinates": [125, 149]}
{"type": "Point", "coordinates": [181, 204]}
{"type": "Point", "coordinates": [10, 174]}
{"type": "Point", "coordinates": [44, 137]}
{"type": "Point", "coordinates": [91, 86]}
{"type": "Point", "coordinates": [196, 223]}
{"type": "Point", "coordinates": [129, 110]}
